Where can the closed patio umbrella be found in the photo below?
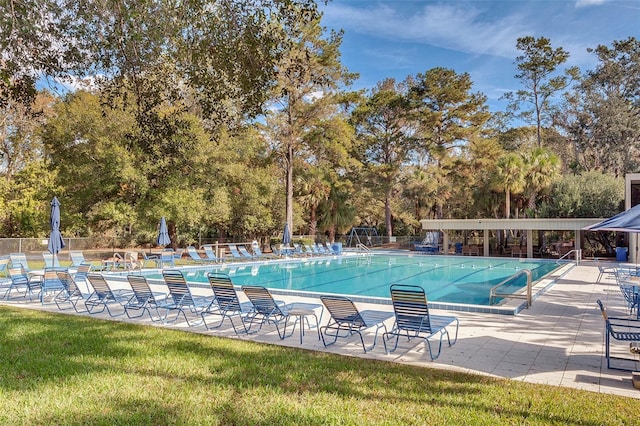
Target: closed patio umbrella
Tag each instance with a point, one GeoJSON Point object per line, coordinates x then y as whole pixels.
{"type": "Point", "coordinates": [163, 234]}
{"type": "Point", "coordinates": [286, 236]}
{"type": "Point", "coordinates": [55, 238]}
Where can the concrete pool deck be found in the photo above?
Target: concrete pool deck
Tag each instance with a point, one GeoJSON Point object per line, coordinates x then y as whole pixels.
{"type": "Point", "coordinates": [558, 341]}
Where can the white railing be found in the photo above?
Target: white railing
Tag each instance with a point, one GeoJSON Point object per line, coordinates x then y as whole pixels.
{"type": "Point", "coordinates": [577, 254]}
{"type": "Point", "coordinates": [361, 248]}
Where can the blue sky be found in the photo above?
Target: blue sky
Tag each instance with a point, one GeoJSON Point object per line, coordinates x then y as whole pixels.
{"type": "Point", "coordinates": [405, 37]}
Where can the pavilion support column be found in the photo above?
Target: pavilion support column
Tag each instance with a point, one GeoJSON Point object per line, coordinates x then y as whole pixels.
{"type": "Point", "coordinates": [577, 240]}
{"type": "Point", "coordinates": [485, 234]}
{"type": "Point", "coordinates": [445, 242]}
{"type": "Point", "coordinates": [530, 243]}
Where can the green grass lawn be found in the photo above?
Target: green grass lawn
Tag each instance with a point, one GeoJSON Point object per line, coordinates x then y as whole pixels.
{"type": "Point", "coordinates": [63, 369]}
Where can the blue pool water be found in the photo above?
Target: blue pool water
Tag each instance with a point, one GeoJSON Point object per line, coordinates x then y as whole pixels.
{"type": "Point", "coordinates": [446, 279]}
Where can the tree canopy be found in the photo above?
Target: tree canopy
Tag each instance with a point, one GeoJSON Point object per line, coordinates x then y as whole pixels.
{"type": "Point", "coordinates": [231, 118]}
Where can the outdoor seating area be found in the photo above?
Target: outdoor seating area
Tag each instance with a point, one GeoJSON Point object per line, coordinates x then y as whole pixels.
{"type": "Point", "coordinates": [178, 303]}
{"type": "Point", "coordinates": [483, 343]}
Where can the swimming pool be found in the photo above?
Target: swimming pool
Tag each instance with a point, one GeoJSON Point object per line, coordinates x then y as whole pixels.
{"type": "Point", "coordinates": [446, 279]}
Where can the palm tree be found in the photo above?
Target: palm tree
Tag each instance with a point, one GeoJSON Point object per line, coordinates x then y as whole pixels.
{"type": "Point", "coordinates": [314, 190]}
{"type": "Point", "coordinates": [337, 213]}
{"type": "Point", "coordinates": [510, 177]}
{"type": "Point", "coordinates": [542, 168]}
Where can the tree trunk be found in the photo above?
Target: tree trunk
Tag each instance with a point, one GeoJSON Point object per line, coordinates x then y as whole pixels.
{"type": "Point", "coordinates": [173, 235]}
{"type": "Point", "coordinates": [313, 222]}
{"type": "Point", "coordinates": [387, 214]}
{"type": "Point", "coordinates": [507, 205]}
{"type": "Point", "coordinates": [289, 186]}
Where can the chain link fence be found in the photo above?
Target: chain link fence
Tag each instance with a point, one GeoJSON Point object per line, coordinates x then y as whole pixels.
{"type": "Point", "coordinates": [97, 248]}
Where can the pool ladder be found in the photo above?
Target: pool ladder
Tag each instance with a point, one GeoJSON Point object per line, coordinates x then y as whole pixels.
{"type": "Point", "coordinates": [494, 294]}
{"type": "Point", "coordinates": [361, 248]}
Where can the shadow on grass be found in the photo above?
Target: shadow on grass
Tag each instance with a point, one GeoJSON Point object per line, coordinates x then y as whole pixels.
{"type": "Point", "coordinates": [241, 382]}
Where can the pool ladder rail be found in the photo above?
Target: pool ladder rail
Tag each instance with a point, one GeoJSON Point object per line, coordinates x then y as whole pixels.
{"type": "Point", "coordinates": [494, 293]}
{"type": "Point", "coordinates": [577, 254]}
{"type": "Point", "coordinates": [361, 248]}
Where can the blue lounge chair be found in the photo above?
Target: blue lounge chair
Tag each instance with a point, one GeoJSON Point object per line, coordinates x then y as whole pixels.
{"type": "Point", "coordinates": [297, 250]}
{"type": "Point", "coordinates": [329, 249]}
{"type": "Point", "coordinates": [414, 321]}
{"type": "Point", "coordinates": [50, 260]}
{"type": "Point", "coordinates": [275, 250]}
{"type": "Point", "coordinates": [77, 258]}
{"type": "Point", "coordinates": [345, 317]}
{"type": "Point", "coordinates": [193, 254]}
{"type": "Point", "coordinates": [5, 281]}
{"type": "Point", "coordinates": [621, 329]}
{"type": "Point", "coordinates": [70, 293]}
{"type": "Point", "coordinates": [103, 296]}
{"type": "Point", "coordinates": [234, 252]}
{"type": "Point", "coordinates": [211, 256]}
{"type": "Point", "coordinates": [309, 251]}
{"type": "Point", "coordinates": [177, 254]}
{"type": "Point", "coordinates": [143, 299]}
{"type": "Point", "coordinates": [180, 298]}
{"type": "Point", "coordinates": [167, 258]}
{"type": "Point", "coordinates": [20, 278]}
{"type": "Point", "coordinates": [245, 253]}
{"type": "Point", "coordinates": [4, 266]}
{"type": "Point", "coordinates": [19, 259]}
{"type": "Point", "coordinates": [227, 304]}
{"type": "Point", "coordinates": [148, 258]}
{"type": "Point", "coordinates": [265, 310]}
{"type": "Point", "coordinates": [259, 254]}
{"type": "Point", "coordinates": [82, 271]}
{"type": "Point", "coordinates": [50, 282]}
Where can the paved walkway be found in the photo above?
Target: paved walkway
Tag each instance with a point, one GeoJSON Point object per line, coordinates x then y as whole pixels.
{"type": "Point", "coordinates": [558, 341]}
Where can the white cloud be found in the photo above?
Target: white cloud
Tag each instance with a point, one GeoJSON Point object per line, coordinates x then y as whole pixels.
{"type": "Point", "coordinates": [587, 3]}
{"type": "Point", "coordinates": [460, 27]}
{"type": "Point", "coordinates": [481, 27]}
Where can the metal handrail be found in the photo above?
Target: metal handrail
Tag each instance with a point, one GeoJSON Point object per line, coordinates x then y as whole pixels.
{"type": "Point", "coordinates": [578, 256]}
{"type": "Point", "coordinates": [362, 247]}
{"type": "Point", "coordinates": [493, 294]}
